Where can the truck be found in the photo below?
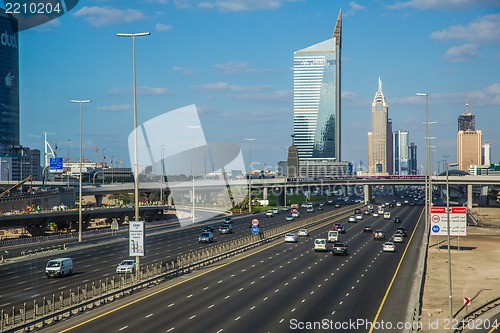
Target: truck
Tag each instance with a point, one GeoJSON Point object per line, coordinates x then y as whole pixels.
{"type": "Point", "coordinates": [333, 236]}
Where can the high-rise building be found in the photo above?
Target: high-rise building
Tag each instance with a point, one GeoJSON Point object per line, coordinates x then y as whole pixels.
{"type": "Point", "coordinates": [9, 82]}
{"type": "Point", "coordinates": [486, 154]}
{"type": "Point", "coordinates": [316, 99]}
{"type": "Point", "coordinates": [469, 141]}
{"type": "Point", "coordinates": [401, 153]}
{"type": "Point", "coordinates": [412, 152]}
{"type": "Point", "coordinates": [380, 137]}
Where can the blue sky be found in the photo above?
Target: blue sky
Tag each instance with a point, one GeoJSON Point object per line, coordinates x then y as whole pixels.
{"type": "Point", "coordinates": [233, 59]}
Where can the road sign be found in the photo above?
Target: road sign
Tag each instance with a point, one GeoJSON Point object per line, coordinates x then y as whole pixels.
{"type": "Point", "coordinates": [255, 230]}
{"type": "Point", "coordinates": [255, 222]}
{"type": "Point", "coordinates": [56, 164]}
{"type": "Point", "coordinates": [458, 221]}
{"type": "Point", "coordinates": [466, 301]}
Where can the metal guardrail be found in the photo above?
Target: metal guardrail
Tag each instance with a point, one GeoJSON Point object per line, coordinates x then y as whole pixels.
{"type": "Point", "coordinates": [469, 317]}
{"type": "Point", "coordinates": [72, 302]}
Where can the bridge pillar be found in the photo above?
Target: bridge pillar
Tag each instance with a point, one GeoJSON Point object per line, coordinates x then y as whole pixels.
{"type": "Point", "coordinates": [170, 200]}
{"type": "Point", "coordinates": [469, 196]}
{"type": "Point", "coordinates": [368, 195]}
{"type": "Point", "coordinates": [98, 199]}
{"type": "Point", "coordinates": [483, 196]}
{"type": "Point", "coordinates": [264, 193]}
{"type": "Point", "coordinates": [280, 196]}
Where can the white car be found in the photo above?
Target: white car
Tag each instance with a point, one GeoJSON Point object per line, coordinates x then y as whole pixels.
{"type": "Point", "coordinates": [269, 213]}
{"type": "Point", "coordinates": [126, 266]}
{"type": "Point", "coordinates": [303, 232]}
{"type": "Point", "coordinates": [375, 214]}
{"type": "Point", "coordinates": [388, 247]}
{"type": "Point", "coordinates": [291, 238]}
{"type": "Point", "coordinates": [310, 209]}
{"type": "Point", "coordinates": [352, 218]}
{"type": "Point", "coordinates": [398, 204]}
{"type": "Point", "coordinates": [359, 216]}
{"type": "Point", "coordinates": [398, 238]}
{"type": "Point", "coordinates": [289, 217]}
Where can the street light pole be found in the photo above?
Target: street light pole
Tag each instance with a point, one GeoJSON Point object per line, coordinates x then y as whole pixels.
{"type": "Point", "coordinates": [192, 172]}
{"type": "Point", "coordinates": [67, 170]}
{"type": "Point", "coordinates": [161, 180]}
{"type": "Point", "coordinates": [250, 174]}
{"type": "Point", "coordinates": [450, 291]}
{"type": "Point", "coordinates": [427, 180]}
{"type": "Point", "coordinates": [80, 178]}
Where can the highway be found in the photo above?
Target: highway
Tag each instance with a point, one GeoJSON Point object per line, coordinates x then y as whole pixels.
{"type": "Point", "coordinates": [281, 287]}
{"type": "Point", "coordinates": [96, 259]}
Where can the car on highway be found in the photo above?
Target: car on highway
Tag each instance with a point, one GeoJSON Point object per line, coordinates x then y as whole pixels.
{"type": "Point", "coordinates": [387, 215]}
{"type": "Point", "coordinates": [310, 209]}
{"type": "Point", "coordinates": [291, 238]}
{"type": "Point", "coordinates": [228, 220]}
{"type": "Point", "coordinates": [367, 212]}
{"type": "Point", "coordinates": [389, 247]}
{"type": "Point", "coordinates": [397, 219]}
{"type": "Point", "coordinates": [359, 217]}
{"type": "Point", "coordinates": [398, 204]}
{"type": "Point", "coordinates": [208, 228]}
{"type": "Point", "coordinates": [339, 227]}
{"type": "Point", "coordinates": [206, 237]}
{"type": "Point", "coordinates": [320, 244]}
{"type": "Point", "coordinates": [285, 209]}
{"type": "Point", "coordinates": [397, 238]}
{"type": "Point", "coordinates": [402, 230]}
{"type": "Point", "coordinates": [126, 266]}
{"type": "Point", "coordinates": [352, 219]}
{"type": "Point", "coordinates": [339, 248]}
{"type": "Point", "coordinates": [375, 214]}
{"type": "Point", "coordinates": [367, 228]}
{"type": "Point", "coordinates": [275, 211]}
{"type": "Point", "coordinates": [378, 235]}
{"type": "Point", "coordinates": [289, 217]}
{"type": "Point", "coordinates": [295, 213]}
{"type": "Point", "coordinates": [337, 205]}
{"type": "Point", "coordinates": [303, 232]}
{"type": "Point", "coordinates": [226, 228]}
{"type": "Point", "coordinates": [269, 213]}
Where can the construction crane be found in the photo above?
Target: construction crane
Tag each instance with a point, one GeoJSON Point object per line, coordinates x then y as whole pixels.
{"type": "Point", "coordinates": [7, 191]}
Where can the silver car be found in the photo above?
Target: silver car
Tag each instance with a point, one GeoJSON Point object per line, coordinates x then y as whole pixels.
{"type": "Point", "coordinates": [291, 238]}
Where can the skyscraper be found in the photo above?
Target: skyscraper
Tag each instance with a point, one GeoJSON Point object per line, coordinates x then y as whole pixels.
{"type": "Point", "coordinates": [469, 141]}
{"type": "Point", "coordinates": [412, 152]}
{"type": "Point", "coordinates": [486, 154]}
{"type": "Point", "coordinates": [316, 98]}
{"type": "Point", "coordinates": [401, 153]}
{"type": "Point", "coordinates": [380, 146]}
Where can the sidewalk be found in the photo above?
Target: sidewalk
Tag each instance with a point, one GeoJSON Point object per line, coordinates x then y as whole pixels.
{"type": "Point", "coordinates": [475, 274]}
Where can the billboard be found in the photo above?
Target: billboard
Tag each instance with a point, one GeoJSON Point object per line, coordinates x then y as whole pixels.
{"type": "Point", "coordinates": [458, 221]}
{"type": "Point", "coordinates": [136, 237]}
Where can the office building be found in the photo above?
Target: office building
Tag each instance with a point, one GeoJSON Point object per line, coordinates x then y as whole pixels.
{"type": "Point", "coordinates": [401, 153]}
{"type": "Point", "coordinates": [413, 163]}
{"type": "Point", "coordinates": [469, 141]}
{"type": "Point", "coordinates": [380, 137]}
{"type": "Point", "coordinates": [316, 100]}
{"type": "Point", "coordinates": [486, 154]}
{"type": "Point", "coordinates": [467, 121]}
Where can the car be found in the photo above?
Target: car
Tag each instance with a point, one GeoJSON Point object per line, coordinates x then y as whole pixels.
{"type": "Point", "coordinates": [378, 234]}
{"type": "Point", "coordinates": [339, 248]}
{"type": "Point", "coordinates": [352, 219]}
{"type": "Point", "coordinates": [291, 238]}
{"type": "Point", "coordinates": [275, 211]}
{"type": "Point", "coordinates": [398, 204]}
{"type": "Point", "coordinates": [295, 213]}
{"type": "Point", "coordinates": [303, 232]}
{"type": "Point", "coordinates": [388, 247]}
{"type": "Point", "coordinates": [366, 212]}
{"type": "Point", "coordinates": [226, 228]}
{"type": "Point", "coordinates": [206, 237]}
{"type": "Point", "coordinates": [359, 217]}
{"type": "Point", "coordinates": [387, 215]}
{"type": "Point", "coordinates": [289, 217]}
{"type": "Point", "coordinates": [269, 213]}
{"type": "Point", "coordinates": [337, 206]}
{"type": "Point", "coordinates": [285, 209]}
{"type": "Point", "coordinates": [320, 207]}
{"type": "Point", "coordinates": [339, 227]}
{"type": "Point", "coordinates": [208, 228]}
{"type": "Point", "coordinates": [375, 214]}
{"type": "Point", "coordinates": [367, 228]}
{"type": "Point", "coordinates": [310, 209]}
{"type": "Point", "coordinates": [398, 238]}
{"type": "Point", "coordinates": [126, 267]}
{"type": "Point", "coordinates": [228, 220]}
{"type": "Point", "coordinates": [397, 219]}
{"type": "Point", "coordinates": [320, 244]}
{"type": "Point", "coordinates": [357, 211]}
{"type": "Point", "coordinates": [402, 230]}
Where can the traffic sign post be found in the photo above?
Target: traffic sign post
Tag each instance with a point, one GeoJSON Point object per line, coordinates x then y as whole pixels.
{"type": "Point", "coordinates": [466, 303]}
{"type": "Point", "coordinates": [255, 222]}
{"type": "Point", "coordinates": [255, 229]}
{"type": "Point", "coordinates": [458, 221]}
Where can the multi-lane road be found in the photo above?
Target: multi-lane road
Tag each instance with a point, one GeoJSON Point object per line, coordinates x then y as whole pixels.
{"type": "Point", "coordinates": [278, 287]}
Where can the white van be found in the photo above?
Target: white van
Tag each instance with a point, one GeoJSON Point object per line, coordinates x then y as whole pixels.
{"type": "Point", "coordinates": [320, 244]}
{"type": "Point", "coordinates": [59, 267]}
{"type": "Point", "coordinates": [387, 215]}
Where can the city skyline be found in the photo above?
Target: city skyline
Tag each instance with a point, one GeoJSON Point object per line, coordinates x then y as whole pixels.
{"type": "Point", "coordinates": [240, 78]}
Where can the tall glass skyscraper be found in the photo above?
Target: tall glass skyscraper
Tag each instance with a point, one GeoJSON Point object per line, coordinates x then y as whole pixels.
{"type": "Point", "coordinates": [401, 153]}
{"type": "Point", "coordinates": [316, 98]}
{"type": "Point", "coordinates": [380, 138]}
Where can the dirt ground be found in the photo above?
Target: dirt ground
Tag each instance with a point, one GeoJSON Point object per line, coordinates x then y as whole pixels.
{"type": "Point", "coordinates": [475, 262]}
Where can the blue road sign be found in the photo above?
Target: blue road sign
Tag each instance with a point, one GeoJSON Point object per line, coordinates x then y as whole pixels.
{"type": "Point", "coordinates": [56, 164]}
{"type": "Point", "coordinates": [435, 228]}
{"type": "Point", "coordinates": [255, 230]}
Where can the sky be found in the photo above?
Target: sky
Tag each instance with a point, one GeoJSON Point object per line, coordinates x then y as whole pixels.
{"type": "Point", "coordinates": [233, 60]}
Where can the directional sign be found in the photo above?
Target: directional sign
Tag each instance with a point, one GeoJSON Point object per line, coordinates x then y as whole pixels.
{"type": "Point", "coordinates": [466, 301]}
{"type": "Point", "coordinates": [435, 229]}
{"type": "Point", "coordinates": [255, 230]}
{"type": "Point", "coordinates": [56, 164]}
{"type": "Point", "coordinates": [458, 221]}
{"type": "Point", "coordinates": [255, 222]}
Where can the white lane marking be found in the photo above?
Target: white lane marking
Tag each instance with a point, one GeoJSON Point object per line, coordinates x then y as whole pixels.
{"type": "Point", "coordinates": [192, 317]}
{"type": "Point", "coordinates": [210, 306]}
{"type": "Point", "coordinates": [172, 304]}
{"type": "Point", "coordinates": [124, 327]}
{"type": "Point", "coordinates": [170, 329]}
{"type": "Point", "coordinates": [149, 315]}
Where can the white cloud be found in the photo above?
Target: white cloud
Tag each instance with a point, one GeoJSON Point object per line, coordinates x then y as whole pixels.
{"type": "Point", "coordinates": [163, 27]}
{"type": "Point", "coordinates": [445, 4]}
{"type": "Point", "coordinates": [141, 91]}
{"type": "Point", "coordinates": [115, 107]}
{"type": "Point", "coordinates": [461, 53]}
{"type": "Point", "coordinates": [183, 70]}
{"type": "Point", "coordinates": [485, 30]}
{"type": "Point", "coordinates": [354, 8]}
{"type": "Point", "coordinates": [103, 16]}
{"type": "Point", "coordinates": [232, 5]}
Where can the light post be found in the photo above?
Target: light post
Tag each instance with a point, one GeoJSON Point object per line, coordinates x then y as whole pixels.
{"type": "Point", "coordinates": [161, 179]}
{"type": "Point", "coordinates": [450, 293]}
{"type": "Point", "coordinates": [80, 101]}
{"type": "Point", "coordinates": [192, 170]}
{"type": "Point", "coordinates": [111, 163]}
{"type": "Point", "coordinates": [67, 170]}
{"type": "Point", "coordinates": [250, 174]}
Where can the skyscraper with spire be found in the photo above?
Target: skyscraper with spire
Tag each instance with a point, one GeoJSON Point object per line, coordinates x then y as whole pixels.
{"type": "Point", "coordinates": [380, 137]}
{"type": "Point", "coordinates": [469, 141]}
